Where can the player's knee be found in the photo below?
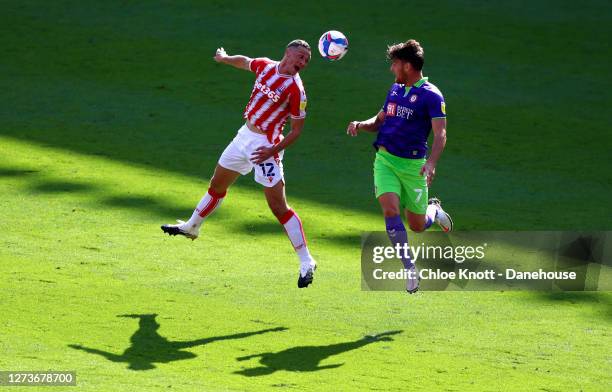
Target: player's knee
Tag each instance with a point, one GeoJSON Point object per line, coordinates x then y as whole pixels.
{"type": "Point", "coordinates": [390, 211]}
{"type": "Point", "coordinates": [217, 186]}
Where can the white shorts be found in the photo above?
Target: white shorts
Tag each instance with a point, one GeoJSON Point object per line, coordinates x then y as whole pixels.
{"type": "Point", "coordinates": [237, 157]}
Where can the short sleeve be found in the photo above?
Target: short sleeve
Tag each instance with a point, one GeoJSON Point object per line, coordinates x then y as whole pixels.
{"type": "Point", "coordinates": [386, 104]}
{"type": "Point", "coordinates": [297, 103]}
{"type": "Point", "coordinates": [436, 106]}
{"type": "Point", "coordinates": [258, 64]}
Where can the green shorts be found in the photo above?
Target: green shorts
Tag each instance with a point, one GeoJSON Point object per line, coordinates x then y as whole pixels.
{"type": "Point", "coordinates": [401, 176]}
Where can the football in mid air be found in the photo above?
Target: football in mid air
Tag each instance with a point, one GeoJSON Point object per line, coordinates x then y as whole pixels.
{"type": "Point", "coordinates": [333, 45]}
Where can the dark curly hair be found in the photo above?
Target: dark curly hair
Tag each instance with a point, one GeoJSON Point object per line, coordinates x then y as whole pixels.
{"type": "Point", "coordinates": [409, 51]}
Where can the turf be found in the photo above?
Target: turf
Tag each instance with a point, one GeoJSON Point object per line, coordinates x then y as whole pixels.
{"type": "Point", "coordinates": [112, 115]}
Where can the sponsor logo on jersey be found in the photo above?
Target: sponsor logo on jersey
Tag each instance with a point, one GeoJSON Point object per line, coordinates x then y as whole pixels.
{"type": "Point", "coordinates": [400, 111]}
{"type": "Point", "coordinates": [273, 95]}
{"type": "Point", "coordinates": [443, 108]}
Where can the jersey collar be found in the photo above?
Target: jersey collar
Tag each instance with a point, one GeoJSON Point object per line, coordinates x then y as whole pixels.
{"type": "Point", "coordinates": [420, 82]}
{"type": "Point", "coordinates": [417, 85]}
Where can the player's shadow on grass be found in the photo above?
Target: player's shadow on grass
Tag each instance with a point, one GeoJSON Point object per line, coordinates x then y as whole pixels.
{"type": "Point", "coordinates": [350, 240]}
{"type": "Point", "coordinates": [146, 204]}
{"type": "Point", "coordinates": [307, 358]}
{"type": "Point", "coordinates": [272, 226]}
{"type": "Point", "coordinates": [601, 304]}
{"type": "Point", "coordinates": [101, 195]}
{"type": "Point", "coordinates": [149, 347]}
{"type": "Point", "coordinates": [62, 186]}
{"type": "Point", "coordinates": [12, 172]}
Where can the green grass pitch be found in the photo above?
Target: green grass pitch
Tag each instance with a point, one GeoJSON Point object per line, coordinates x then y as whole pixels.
{"type": "Point", "coordinates": [113, 114]}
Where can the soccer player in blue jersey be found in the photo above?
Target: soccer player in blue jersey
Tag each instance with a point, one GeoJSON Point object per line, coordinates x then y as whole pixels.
{"type": "Point", "coordinates": [402, 170]}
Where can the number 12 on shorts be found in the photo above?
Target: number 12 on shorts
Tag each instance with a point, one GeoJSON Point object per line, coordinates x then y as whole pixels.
{"type": "Point", "coordinates": [270, 167]}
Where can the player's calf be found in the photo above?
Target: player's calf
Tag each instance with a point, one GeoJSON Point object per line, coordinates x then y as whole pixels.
{"type": "Point", "coordinates": [416, 222]}
{"type": "Point", "coordinates": [293, 227]}
{"type": "Point", "coordinates": [417, 227]}
{"type": "Point", "coordinates": [275, 196]}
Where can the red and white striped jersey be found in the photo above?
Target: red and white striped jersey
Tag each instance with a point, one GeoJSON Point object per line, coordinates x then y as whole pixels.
{"type": "Point", "coordinates": [275, 97]}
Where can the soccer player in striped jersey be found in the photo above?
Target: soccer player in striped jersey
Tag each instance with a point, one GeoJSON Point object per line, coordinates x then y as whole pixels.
{"type": "Point", "coordinates": [278, 95]}
{"type": "Point", "coordinates": [402, 170]}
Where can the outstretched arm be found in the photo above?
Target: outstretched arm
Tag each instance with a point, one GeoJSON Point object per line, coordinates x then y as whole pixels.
{"type": "Point", "coordinates": [237, 61]}
{"type": "Point", "coordinates": [370, 125]}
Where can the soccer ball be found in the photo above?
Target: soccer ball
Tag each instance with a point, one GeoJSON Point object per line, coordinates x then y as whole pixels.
{"type": "Point", "coordinates": [333, 45]}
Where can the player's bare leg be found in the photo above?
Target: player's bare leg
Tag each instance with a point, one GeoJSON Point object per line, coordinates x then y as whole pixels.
{"type": "Point", "coordinates": [417, 222]}
{"type": "Point", "coordinates": [277, 201]}
{"type": "Point", "coordinates": [390, 204]}
{"type": "Point", "coordinates": [222, 179]}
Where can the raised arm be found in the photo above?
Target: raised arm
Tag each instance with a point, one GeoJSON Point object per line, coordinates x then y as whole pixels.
{"type": "Point", "coordinates": [238, 61]}
{"type": "Point", "coordinates": [370, 125]}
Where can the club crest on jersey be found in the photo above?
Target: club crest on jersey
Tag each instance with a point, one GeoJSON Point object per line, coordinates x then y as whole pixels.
{"type": "Point", "coordinates": [413, 98]}
{"type": "Point", "coordinates": [273, 95]}
{"type": "Point", "coordinates": [282, 88]}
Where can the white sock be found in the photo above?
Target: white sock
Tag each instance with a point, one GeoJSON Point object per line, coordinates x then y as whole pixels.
{"type": "Point", "coordinates": [293, 227]}
{"type": "Point", "coordinates": [209, 203]}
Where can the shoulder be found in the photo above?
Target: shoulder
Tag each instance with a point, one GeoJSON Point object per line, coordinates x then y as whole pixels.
{"type": "Point", "coordinates": [393, 90]}
{"type": "Point", "coordinates": [296, 88]}
{"type": "Point", "coordinates": [259, 63]}
{"type": "Point", "coordinates": [432, 90]}
{"type": "Point", "coordinates": [264, 60]}
{"type": "Point", "coordinates": [395, 87]}
{"type": "Point", "coordinates": [297, 82]}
